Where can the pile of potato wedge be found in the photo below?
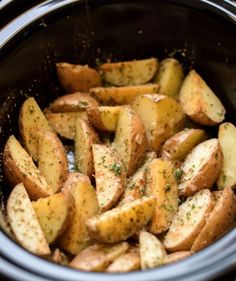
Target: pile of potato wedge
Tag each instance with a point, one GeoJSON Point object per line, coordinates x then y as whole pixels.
{"type": "Point", "coordinates": [149, 187]}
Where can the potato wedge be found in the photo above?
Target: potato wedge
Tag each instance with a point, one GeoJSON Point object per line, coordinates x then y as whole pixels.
{"type": "Point", "coordinates": [121, 222]}
{"type": "Point", "coordinates": [189, 221]}
{"type": "Point", "coordinates": [85, 137]}
{"type": "Point", "coordinates": [24, 222]}
{"type": "Point", "coordinates": [125, 263]}
{"type": "Point", "coordinates": [136, 184]}
{"type": "Point", "coordinates": [180, 144]}
{"type": "Point", "coordinates": [161, 183]}
{"type": "Point", "coordinates": [227, 139]}
{"type": "Point", "coordinates": [73, 103]}
{"type": "Point", "coordinates": [201, 167]}
{"type": "Point", "coordinates": [64, 123]}
{"type": "Point", "coordinates": [152, 252]}
{"type": "Point", "coordinates": [129, 72]}
{"type": "Point", "coordinates": [123, 95]}
{"type": "Point", "coordinates": [19, 167]}
{"type": "Point", "coordinates": [104, 118]}
{"type": "Point", "coordinates": [220, 220]}
{"type": "Point", "coordinates": [52, 160]}
{"type": "Point", "coordinates": [75, 77]}
{"type": "Point", "coordinates": [98, 256]}
{"type": "Point", "coordinates": [59, 257]}
{"type": "Point", "coordinates": [109, 176]}
{"type": "Point", "coordinates": [31, 120]}
{"type": "Point", "coordinates": [130, 139]}
{"type": "Point", "coordinates": [199, 102]}
{"type": "Point", "coordinates": [76, 238]}
{"type": "Point", "coordinates": [162, 117]}
{"type": "Point", "coordinates": [170, 77]}
{"type": "Point", "coordinates": [178, 256]}
{"type": "Point", "coordinates": [54, 214]}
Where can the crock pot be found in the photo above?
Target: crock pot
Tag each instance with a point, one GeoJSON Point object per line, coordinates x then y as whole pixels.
{"type": "Point", "coordinates": [200, 33]}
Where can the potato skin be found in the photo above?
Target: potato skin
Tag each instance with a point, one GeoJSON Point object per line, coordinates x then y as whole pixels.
{"type": "Point", "coordinates": [15, 171]}
{"type": "Point", "coordinates": [77, 77]}
{"type": "Point", "coordinates": [207, 175]}
{"type": "Point", "coordinates": [125, 263]}
{"type": "Point", "coordinates": [178, 256]}
{"type": "Point", "coordinates": [75, 102]}
{"type": "Point", "coordinates": [220, 220]}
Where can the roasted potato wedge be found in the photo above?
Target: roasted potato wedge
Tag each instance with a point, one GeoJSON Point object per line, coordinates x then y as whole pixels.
{"type": "Point", "coordinates": [129, 72]}
{"type": "Point", "coordinates": [122, 222]}
{"type": "Point", "coordinates": [64, 123]}
{"type": "Point", "coordinates": [199, 102]}
{"type": "Point", "coordinates": [52, 160]}
{"type": "Point", "coordinates": [201, 167]}
{"type": "Point", "coordinates": [98, 256]}
{"type": "Point", "coordinates": [75, 77]}
{"type": "Point", "coordinates": [170, 77]}
{"type": "Point", "coordinates": [54, 214]}
{"type": "Point", "coordinates": [59, 257]}
{"type": "Point", "coordinates": [152, 252]}
{"type": "Point", "coordinates": [76, 238]}
{"type": "Point", "coordinates": [227, 139]}
{"type": "Point", "coordinates": [178, 256]}
{"type": "Point", "coordinates": [19, 167]}
{"type": "Point", "coordinates": [85, 137]}
{"type": "Point", "coordinates": [130, 139]}
{"type": "Point", "coordinates": [161, 183]}
{"type": "Point", "coordinates": [73, 103]}
{"type": "Point", "coordinates": [24, 222]}
{"type": "Point", "coordinates": [123, 95]}
{"type": "Point", "coordinates": [109, 176]}
{"type": "Point", "coordinates": [179, 145]}
{"type": "Point", "coordinates": [220, 220]}
{"type": "Point", "coordinates": [104, 118]}
{"type": "Point", "coordinates": [136, 184]}
{"type": "Point", "coordinates": [125, 263]}
{"type": "Point", "coordinates": [31, 120]}
{"type": "Point", "coordinates": [189, 221]}
{"type": "Point", "coordinates": [162, 117]}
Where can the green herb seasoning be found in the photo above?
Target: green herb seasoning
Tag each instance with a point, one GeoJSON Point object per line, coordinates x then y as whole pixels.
{"type": "Point", "coordinates": [116, 168]}
{"type": "Point", "coordinates": [178, 174]}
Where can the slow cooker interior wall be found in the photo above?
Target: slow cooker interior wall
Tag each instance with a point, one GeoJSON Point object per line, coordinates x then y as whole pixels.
{"type": "Point", "coordinates": [81, 33]}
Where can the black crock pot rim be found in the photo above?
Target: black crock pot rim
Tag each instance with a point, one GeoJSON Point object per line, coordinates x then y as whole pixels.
{"type": "Point", "coordinates": [224, 259]}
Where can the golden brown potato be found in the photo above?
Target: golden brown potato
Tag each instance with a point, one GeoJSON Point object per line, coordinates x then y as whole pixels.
{"type": "Point", "coordinates": [130, 139]}
{"type": "Point", "coordinates": [19, 167]}
{"type": "Point", "coordinates": [64, 123]}
{"type": "Point", "coordinates": [104, 118]}
{"type": "Point", "coordinates": [31, 120]}
{"type": "Point", "coordinates": [52, 160]}
{"type": "Point", "coordinates": [73, 103]}
{"type": "Point", "coordinates": [125, 263]}
{"type": "Point", "coordinates": [24, 222]}
{"type": "Point", "coordinates": [54, 214]}
{"type": "Point", "coordinates": [123, 95]}
{"type": "Point", "coordinates": [109, 176]}
{"type": "Point", "coordinates": [152, 252]}
{"type": "Point", "coordinates": [170, 77]}
{"type": "Point", "coordinates": [85, 137]}
{"type": "Point", "coordinates": [189, 221]}
{"type": "Point", "coordinates": [129, 72]}
{"type": "Point", "coordinates": [199, 102]}
{"type": "Point", "coordinates": [177, 256]}
{"type": "Point", "coordinates": [76, 238]}
{"type": "Point", "coordinates": [220, 220]}
{"type": "Point", "coordinates": [75, 77]}
{"type": "Point", "coordinates": [201, 167]}
{"type": "Point", "coordinates": [227, 140]}
{"type": "Point", "coordinates": [162, 117]}
{"type": "Point", "coordinates": [136, 184]}
{"type": "Point", "coordinates": [161, 183]}
{"type": "Point", "coordinates": [121, 222]}
{"type": "Point", "coordinates": [59, 257]}
{"type": "Point", "coordinates": [180, 144]}
{"type": "Point", "coordinates": [98, 256]}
